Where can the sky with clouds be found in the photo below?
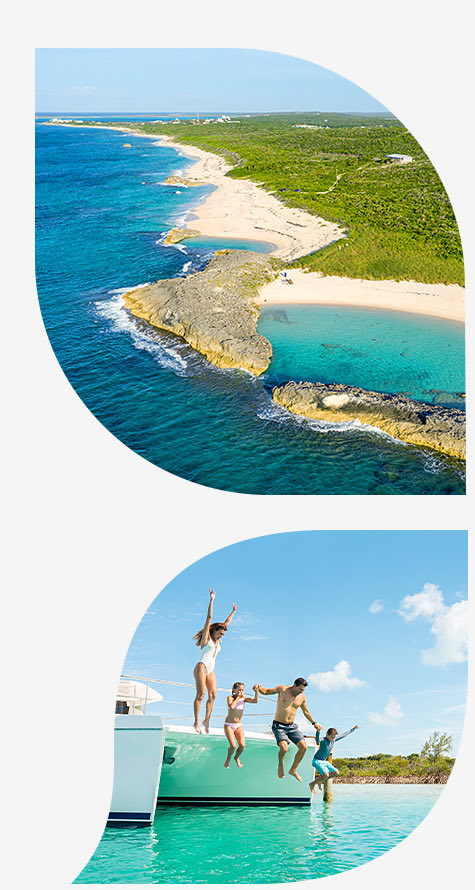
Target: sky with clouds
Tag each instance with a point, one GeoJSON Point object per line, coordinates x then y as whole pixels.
{"type": "Point", "coordinates": [376, 621]}
{"type": "Point", "coordinates": [189, 80]}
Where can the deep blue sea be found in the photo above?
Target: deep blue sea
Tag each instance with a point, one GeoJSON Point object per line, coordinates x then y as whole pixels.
{"type": "Point", "coordinates": [274, 844]}
{"type": "Point", "coordinates": [102, 213]}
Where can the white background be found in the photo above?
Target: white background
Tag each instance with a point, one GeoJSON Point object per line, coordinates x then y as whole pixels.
{"type": "Point", "coordinates": [93, 532]}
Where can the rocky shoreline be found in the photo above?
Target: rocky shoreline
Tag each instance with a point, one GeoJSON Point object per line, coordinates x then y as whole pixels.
{"type": "Point", "coordinates": [214, 310]}
{"type": "Point", "coordinates": [175, 235]}
{"type": "Point", "coordinates": [391, 780]}
{"type": "Point", "coordinates": [430, 426]}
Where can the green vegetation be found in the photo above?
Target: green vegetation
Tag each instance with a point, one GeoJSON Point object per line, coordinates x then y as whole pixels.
{"type": "Point", "coordinates": [397, 217]}
{"type": "Point", "coordinates": [431, 764]}
{"type": "Point", "coordinates": [437, 745]}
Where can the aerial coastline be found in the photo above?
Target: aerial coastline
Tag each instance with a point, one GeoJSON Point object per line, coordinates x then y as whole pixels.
{"type": "Point", "coordinates": [445, 301]}
{"type": "Point", "coordinates": [242, 209]}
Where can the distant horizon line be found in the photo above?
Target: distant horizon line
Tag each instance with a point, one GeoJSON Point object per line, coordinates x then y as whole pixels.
{"type": "Point", "coordinates": [251, 113]}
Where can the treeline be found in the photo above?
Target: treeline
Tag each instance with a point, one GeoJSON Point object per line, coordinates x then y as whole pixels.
{"type": "Point", "coordinates": [411, 766]}
{"type": "Point", "coordinates": [398, 219]}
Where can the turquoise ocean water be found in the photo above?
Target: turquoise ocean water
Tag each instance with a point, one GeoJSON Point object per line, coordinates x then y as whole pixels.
{"type": "Point", "coordinates": [101, 213]}
{"type": "Point", "coordinates": [419, 356]}
{"type": "Point", "coordinates": [274, 844]}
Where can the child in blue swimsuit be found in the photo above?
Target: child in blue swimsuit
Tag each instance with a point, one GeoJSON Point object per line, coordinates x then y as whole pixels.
{"type": "Point", "coordinates": [320, 763]}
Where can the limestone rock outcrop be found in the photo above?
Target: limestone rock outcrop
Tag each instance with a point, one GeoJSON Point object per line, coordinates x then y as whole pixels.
{"type": "Point", "coordinates": [213, 309]}
{"type": "Point", "coordinates": [181, 180]}
{"type": "Point", "coordinates": [430, 426]}
{"type": "Point", "coordinates": [176, 235]}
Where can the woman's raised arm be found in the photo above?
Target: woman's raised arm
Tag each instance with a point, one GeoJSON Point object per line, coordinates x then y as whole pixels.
{"type": "Point", "coordinates": [205, 634]}
{"type": "Point", "coordinates": [230, 617]}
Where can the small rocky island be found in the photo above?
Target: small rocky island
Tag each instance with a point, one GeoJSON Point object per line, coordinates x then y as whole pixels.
{"type": "Point", "coordinates": [184, 181]}
{"type": "Point", "coordinates": [417, 423]}
{"type": "Point", "coordinates": [175, 235]}
{"type": "Point", "coordinates": [213, 310]}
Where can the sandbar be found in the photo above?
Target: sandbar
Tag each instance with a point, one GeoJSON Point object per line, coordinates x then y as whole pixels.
{"type": "Point", "coordinates": [241, 209]}
{"type": "Point", "coordinates": [440, 300]}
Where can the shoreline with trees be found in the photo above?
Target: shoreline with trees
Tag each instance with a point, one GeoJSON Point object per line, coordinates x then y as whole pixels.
{"type": "Point", "coordinates": [431, 767]}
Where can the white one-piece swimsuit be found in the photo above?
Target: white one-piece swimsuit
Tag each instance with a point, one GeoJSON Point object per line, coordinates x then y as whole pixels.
{"type": "Point", "coordinates": [208, 656]}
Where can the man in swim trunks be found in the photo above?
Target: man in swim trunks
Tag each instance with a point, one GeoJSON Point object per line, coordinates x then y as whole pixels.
{"type": "Point", "coordinates": [284, 727]}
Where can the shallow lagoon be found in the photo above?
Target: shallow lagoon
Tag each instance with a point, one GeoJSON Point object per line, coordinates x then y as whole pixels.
{"type": "Point", "coordinates": [199, 844]}
{"type": "Point", "coordinates": [394, 352]}
{"type": "Point", "coordinates": [102, 211]}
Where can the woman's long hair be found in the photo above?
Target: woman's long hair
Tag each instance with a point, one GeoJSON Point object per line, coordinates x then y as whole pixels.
{"type": "Point", "coordinates": [218, 625]}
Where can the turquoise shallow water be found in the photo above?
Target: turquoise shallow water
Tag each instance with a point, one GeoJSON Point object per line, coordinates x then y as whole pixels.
{"type": "Point", "coordinates": [395, 352]}
{"type": "Point", "coordinates": [101, 213]}
{"type": "Point", "coordinates": [199, 845]}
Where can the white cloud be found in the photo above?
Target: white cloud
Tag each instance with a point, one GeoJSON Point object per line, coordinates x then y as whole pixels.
{"type": "Point", "coordinates": [392, 713]}
{"type": "Point", "coordinates": [451, 632]}
{"type": "Point", "coordinates": [376, 606]}
{"type": "Point", "coordinates": [338, 678]}
{"type": "Point", "coordinates": [426, 604]}
{"type": "Point", "coordinates": [244, 627]}
{"type": "Point", "coordinates": [449, 625]}
{"type": "Point", "coordinates": [83, 91]}
{"type": "Point", "coordinates": [454, 709]}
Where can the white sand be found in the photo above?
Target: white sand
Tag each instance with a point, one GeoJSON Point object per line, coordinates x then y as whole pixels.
{"type": "Point", "coordinates": [241, 209]}
{"type": "Point", "coordinates": [441, 300]}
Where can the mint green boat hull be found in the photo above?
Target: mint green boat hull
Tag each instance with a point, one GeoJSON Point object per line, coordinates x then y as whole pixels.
{"type": "Point", "coordinates": [193, 772]}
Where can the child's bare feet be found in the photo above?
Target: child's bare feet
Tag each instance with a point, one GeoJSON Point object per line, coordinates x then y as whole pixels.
{"type": "Point", "coordinates": [293, 772]}
{"type": "Point", "coordinates": [280, 770]}
{"type": "Point", "coordinates": [311, 785]}
{"type": "Point", "coordinates": [238, 762]}
{"type": "Point", "coordinates": [206, 725]}
{"type": "Point", "coordinates": [197, 727]}
{"type": "Point", "coordinates": [227, 761]}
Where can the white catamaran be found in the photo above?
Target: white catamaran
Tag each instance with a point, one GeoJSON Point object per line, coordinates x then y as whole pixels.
{"type": "Point", "coordinates": [156, 763]}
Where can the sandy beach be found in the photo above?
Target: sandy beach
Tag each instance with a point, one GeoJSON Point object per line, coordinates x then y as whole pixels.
{"type": "Point", "coordinates": [241, 209]}
{"type": "Point", "coordinates": [440, 300]}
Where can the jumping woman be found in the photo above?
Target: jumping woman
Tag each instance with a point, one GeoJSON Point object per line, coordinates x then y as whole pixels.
{"type": "Point", "coordinates": [205, 678]}
{"type": "Point", "coordinates": [233, 726]}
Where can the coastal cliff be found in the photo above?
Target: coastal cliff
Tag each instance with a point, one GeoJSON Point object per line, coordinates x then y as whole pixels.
{"type": "Point", "coordinates": [213, 310]}
{"type": "Point", "coordinates": [431, 426]}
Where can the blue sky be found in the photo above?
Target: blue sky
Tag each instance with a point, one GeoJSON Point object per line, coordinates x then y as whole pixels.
{"type": "Point", "coordinates": [376, 621]}
{"type": "Point", "coordinates": [189, 80]}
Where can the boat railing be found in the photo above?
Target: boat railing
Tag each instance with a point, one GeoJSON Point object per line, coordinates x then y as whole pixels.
{"type": "Point", "coordinates": [135, 693]}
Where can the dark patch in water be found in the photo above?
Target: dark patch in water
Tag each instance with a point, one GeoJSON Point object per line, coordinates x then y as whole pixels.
{"type": "Point", "coordinates": [279, 315]}
{"type": "Point", "coordinates": [356, 353]}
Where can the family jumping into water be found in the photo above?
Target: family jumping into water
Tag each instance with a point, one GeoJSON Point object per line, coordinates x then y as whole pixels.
{"type": "Point", "coordinates": [284, 726]}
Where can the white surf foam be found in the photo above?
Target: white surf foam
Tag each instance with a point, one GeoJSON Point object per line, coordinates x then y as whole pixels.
{"type": "Point", "coordinates": [162, 347]}
{"type": "Point", "coordinates": [273, 412]}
